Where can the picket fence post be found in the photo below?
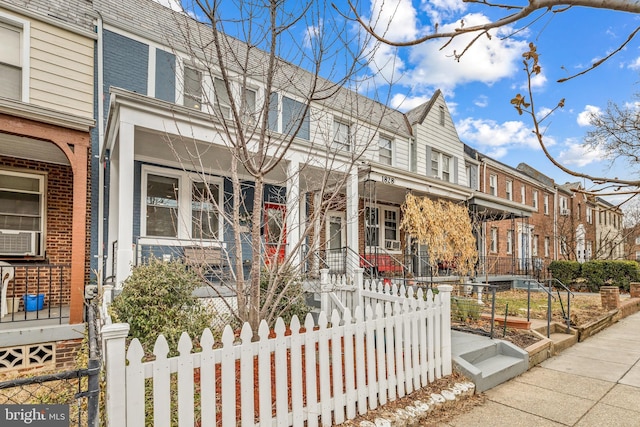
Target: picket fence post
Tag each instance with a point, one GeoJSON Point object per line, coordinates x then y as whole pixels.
{"type": "Point", "coordinates": [114, 336]}
{"type": "Point", "coordinates": [445, 324]}
{"type": "Point", "coordinates": [325, 287]}
{"type": "Point", "coordinates": [358, 282]}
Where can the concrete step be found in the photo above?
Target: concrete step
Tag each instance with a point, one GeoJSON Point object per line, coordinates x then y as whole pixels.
{"type": "Point", "coordinates": [488, 362]}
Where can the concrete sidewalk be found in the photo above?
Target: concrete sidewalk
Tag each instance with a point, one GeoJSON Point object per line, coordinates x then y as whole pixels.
{"type": "Point", "coordinates": [593, 383]}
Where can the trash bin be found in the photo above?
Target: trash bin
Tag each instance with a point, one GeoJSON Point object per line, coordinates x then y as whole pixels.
{"type": "Point", "coordinates": [13, 304]}
{"type": "Point", "coordinates": [33, 302]}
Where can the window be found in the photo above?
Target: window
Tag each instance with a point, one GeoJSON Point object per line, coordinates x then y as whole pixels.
{"type": "Point", "coordinates": [249, 104]}
{"type": "Point", "coordinates": [546, 204]}
{"type": "Point", "coordinates": [579, 211]}
{"type": "Point", "coordinates": [509, 190]}
{"type": "Point", "coordinates": [493, 180]}
{"type": "Point", "coordinates": [192, 88]}
{"type": "Point", "coordinates": [441, 166]}
{"type": "Point", "coordinates": [391, 227]}
{"type": "Point", "coordinates": [589, 215]}
{"type": "Point", "coordinates": [180, 205]}
{"type": "Point", "coordinates": [385, 151]}
{"type": "Point", "coordinates": [523, 195]}
{"type": "Point", "coordinates": [535, 199]}
{"type": "Point", "coordinates": [435, 165]}
{"type": "Point", "coordinates": [223, 103]}
{"type": "Point", "coordinates": [441, 118]}
{"type": "Point", "coordinates": [534, 245]}
{"type": "Point", "coordinates": [563, 246]}
{"type": "Point", "coordinates": [446, 168]}
{"type": "Point", "coordinates": [205, 199]}
{"type": "Point", "coordinates": [21, 213]}
{"type": "Point", "coordinates": [509, 241]}
{"type": "Point", "coordinates": [287, 115]}
{"type": "Point", "coordinates": [547, 244]}
{"type": "Point", "coordinates": [372, 227]}
{"type": "Point", "coordinates": [341, 135]}
{"type": "Point", "coordinates": [12, 62]}
{"type": "Point", "coordinates": [563, 206]}
{"type": "Point", "coordinates": [637, 255]}
{"type": "Point", "coordinates": [162, 206]}
{"type": "Point", "coordinates": [494, 240]}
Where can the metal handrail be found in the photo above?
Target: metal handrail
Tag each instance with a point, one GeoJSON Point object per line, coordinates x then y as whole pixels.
{"type": "Point", "coordinates": [567, 317]}
{"type": "Point", "coordinates": [549, 296]}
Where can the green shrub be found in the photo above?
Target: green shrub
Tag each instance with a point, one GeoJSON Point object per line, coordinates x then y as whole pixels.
{"type": "Point", "coordinates": [463, 309]}
{"type": "Point", "coordinates": [615, 273]}
{"type": "Point", "coordinates": [157, 299]}
{"type": "Point", "coordinates": [565, 271]}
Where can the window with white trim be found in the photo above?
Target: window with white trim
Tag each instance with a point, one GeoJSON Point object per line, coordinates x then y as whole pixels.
{"type": "Point", "coordinates": [534, 245]}
{"type": "Point", "coordinates": [385, 150]}
{"type": "Point", "coordinates": [547, 245]}
{"type": "Point", "coordinates": [637, 255]}
{"type": "Point", "coordinates": [523, 194]}
{"type": "Point", "coordinates": [546, 204]}
{"type": "Point", "coordinates": [509, 241]}
{"type": "Point", "coordinates": [372, 227]}
{"type": "Point", "coordinates": [286, 115]}
{"type": "Point", "coordinates": [341, 135]}
{"type": "Point", "coordinates": [493, 185]}
{"type": "Point", "coordinates": [14, 57]}
{"type": "Point", "coordinates": [192, 96]}
{"type": "Point", "coordinates": [441, 166]}
{"type": "Point", "coordinates": [535, 199]}
{"type": "Point", "coordinates": [180, 205]}
{"type": "Point", "coordinates": [22, 213]}
{"type": "Point", "coordinates": [494, 240]}
{"type": "Point", "coordinates": [381, 227]}
{"type": "Point", "coordinates": [223, 102]}
{"type": "Point", "coordinates": [509, 190]}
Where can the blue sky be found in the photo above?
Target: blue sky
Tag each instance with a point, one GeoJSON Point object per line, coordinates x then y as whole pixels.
{"type": "Point", "coordinates": [479, 87]}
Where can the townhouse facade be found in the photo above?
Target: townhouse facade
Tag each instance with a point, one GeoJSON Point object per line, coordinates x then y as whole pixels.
{"type": "Point", "coordinates": [610, 235]}
{"type": "Point", "coordinates": [46, 116]}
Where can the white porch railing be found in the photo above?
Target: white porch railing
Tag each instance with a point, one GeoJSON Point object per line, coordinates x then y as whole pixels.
{"type": "Point", "coordinates": [322, 375]}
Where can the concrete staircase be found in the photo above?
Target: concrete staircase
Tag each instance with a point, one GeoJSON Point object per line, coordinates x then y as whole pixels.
{"type": "Point", "coordinates": [487, 362]}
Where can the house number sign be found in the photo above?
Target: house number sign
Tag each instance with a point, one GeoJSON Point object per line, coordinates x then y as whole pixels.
{"type": "Point", "coordinates": [388, 179]}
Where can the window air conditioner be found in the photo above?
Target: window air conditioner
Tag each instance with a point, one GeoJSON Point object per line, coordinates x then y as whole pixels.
{"type": "Point", "coordinates": [14, 242]}
{"type": "Point", "coordinates": [392, 245]}
{"type": "Point", "coordinates": [564, 212]}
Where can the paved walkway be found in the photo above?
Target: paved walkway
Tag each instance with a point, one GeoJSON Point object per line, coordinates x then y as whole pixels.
{"type": "Point", "coordinates": [593, 383]}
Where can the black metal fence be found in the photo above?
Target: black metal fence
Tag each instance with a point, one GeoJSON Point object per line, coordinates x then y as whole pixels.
{"type": "Point", "coordinates": [78, 388]}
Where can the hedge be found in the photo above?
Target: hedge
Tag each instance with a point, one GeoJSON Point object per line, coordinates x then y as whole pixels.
{"type": "Point", "coordinates": [597, 273]}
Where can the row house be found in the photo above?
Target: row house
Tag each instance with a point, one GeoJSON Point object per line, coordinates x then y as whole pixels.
{"type": "Point", "coordinates": [156, 93]}
{"type": "Point", "coordinates": [46, 116]}
{"type": "Point", "coordinates": [576, 225]}
{"type": "Point", "coordinates": [610, 234]}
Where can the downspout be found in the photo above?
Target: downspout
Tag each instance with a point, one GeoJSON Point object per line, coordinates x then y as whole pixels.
{"type": "Point", "coordinates": [101, 160]}
{"type": "Point", "coordinates": [555, 225]}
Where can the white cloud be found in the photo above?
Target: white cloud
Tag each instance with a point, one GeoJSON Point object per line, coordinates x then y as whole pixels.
{"type": "Point", "coordinates": [495, 139]}
{"type": "Point", "coordinates": [635, 65]}
{"type": "Point", "coordinates": [312, 32]}
{"type": "Point", "coordinates": [487, 61]}
{"type": "Point", "coordinates": [406, 103]}
{"type": "Point", "coordinates": [584, 118]}
{"type": "Point", "coordinates": [576, 154]}
{"type": "Point", "coordinates": [481, 101]}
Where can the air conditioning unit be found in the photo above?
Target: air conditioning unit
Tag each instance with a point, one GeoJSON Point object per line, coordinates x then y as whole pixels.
{"type": "Point", "coordinates": [392, 245]}
{"type": "Point", "coordinates": [564, 212]}
{"type": "Point", "coordinates": [14, 242]}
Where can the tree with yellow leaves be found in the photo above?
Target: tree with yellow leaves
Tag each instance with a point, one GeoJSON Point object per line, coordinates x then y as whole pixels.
{"type": "Point", "coordinates": [445, 228]}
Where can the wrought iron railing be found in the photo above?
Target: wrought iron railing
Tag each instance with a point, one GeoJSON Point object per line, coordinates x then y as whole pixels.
{"type": "Point", "coordinates": [35, 292]}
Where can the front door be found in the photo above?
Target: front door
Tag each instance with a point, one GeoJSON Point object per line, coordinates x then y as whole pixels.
{"type": "Point", "coordinates": [275, 233]}
{"type": "Point", "coordinates": [336, 240]}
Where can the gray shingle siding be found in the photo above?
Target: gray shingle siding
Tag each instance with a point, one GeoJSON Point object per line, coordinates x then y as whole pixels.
{"type": "Point", "coordinates": [165, 76]}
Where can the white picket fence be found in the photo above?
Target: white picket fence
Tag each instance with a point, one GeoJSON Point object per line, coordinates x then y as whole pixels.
{"type": "Point", "coordinates": [323, 375]}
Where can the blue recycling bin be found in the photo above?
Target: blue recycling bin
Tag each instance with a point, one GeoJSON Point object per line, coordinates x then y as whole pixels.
{"type": "Point", "coordinates": [33, 302]}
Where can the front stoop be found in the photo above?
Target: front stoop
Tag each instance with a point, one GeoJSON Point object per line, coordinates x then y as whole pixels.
{"type": "Point", "coordinates": [487, 362]}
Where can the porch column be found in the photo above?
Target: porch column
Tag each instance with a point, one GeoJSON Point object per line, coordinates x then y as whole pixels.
{"type": "Point", "coordinates": [293, 212]}
{"type": "Point", "coordinates": [353, 200]}
{"type": "Point", "coordinates": [79, 234]}
{"type": "Point", "coordinates": [124, 254]}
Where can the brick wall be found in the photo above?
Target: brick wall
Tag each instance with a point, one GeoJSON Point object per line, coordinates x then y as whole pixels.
{"type": "Point", "coordinates": [59, 202]}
